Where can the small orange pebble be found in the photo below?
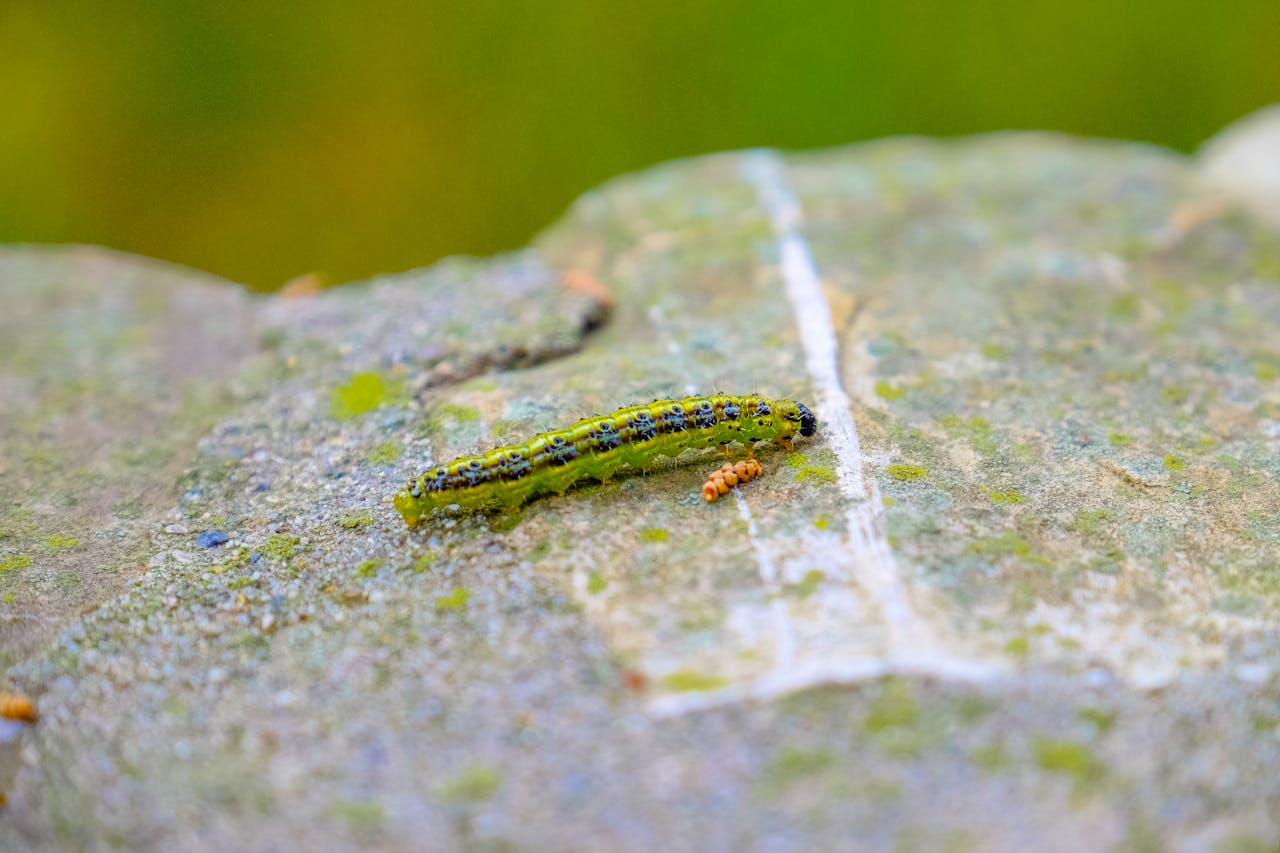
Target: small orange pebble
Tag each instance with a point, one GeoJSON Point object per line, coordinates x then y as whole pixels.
{"type": "Point", "coordinates": [634, 679]}
{"type": "Point", "coordinates": [15, 706]}
{"type": "Point", "coordinates": [1189, 216]}
{"type": "Point", "coordinates": [588, 284]}
{"type": "Point", "coordinates": [307, 284]}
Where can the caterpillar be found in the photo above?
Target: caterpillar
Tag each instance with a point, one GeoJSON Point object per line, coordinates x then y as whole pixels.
{"type": "Point", "coordinates": [729, 475]}
{"type": "Point", "coordinates": [598, 447]}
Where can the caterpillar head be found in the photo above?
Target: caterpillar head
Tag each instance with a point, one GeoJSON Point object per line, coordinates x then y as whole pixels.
{"type": "Point", "coordinates": [411, 508]}
{"type": "Point", "coordinates": [798, 413]}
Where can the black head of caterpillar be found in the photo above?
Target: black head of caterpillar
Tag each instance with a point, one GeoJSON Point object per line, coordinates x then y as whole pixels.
{"type": "Point", "coordinates": [808, 423]}
{"type": "Point", "coordinates": [598, 447]}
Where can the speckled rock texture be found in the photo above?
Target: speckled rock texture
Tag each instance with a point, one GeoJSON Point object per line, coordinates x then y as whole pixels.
{"type": "Point", "coordinates": [111, 368]}
{"type": "Point", "coordinates": [1021, 591]}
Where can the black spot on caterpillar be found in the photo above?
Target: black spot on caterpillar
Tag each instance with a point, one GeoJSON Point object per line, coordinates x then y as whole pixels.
{"type": "Point", "coordinates": [600, 446]}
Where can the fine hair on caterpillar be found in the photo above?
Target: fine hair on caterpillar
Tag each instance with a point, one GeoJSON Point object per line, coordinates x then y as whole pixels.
{"type": "Point", "coordinates": [599, 447]}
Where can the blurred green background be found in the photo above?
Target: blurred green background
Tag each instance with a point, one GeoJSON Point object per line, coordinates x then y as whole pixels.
{"type": "Point", "coordinates": [263, 141]}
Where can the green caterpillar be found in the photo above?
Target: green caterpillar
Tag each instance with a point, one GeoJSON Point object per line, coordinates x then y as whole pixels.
{"type": "Point", "coordinates": [598, 447]}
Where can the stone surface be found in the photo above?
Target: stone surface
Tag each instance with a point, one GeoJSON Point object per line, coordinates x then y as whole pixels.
{"type": "Point", "coordinates": [1021, 590]}
{"type": "Point", "coordinates": [111, 368]}
{"type": "Point", "coordinates": [1241, 164]}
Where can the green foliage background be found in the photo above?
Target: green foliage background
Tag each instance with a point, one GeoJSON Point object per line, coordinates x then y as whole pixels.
{"type": "Point", "coordinates": [262, 141]}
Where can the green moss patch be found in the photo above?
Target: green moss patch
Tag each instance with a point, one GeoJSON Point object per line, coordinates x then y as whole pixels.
{"type": "Point", "coordinates": [992, 759]}
{"type": "Point", "coordinates": [362, 393]}
{"type": "Point", "coordinates": [454, 601]}
{"type": "Point", "coordinates": [1005, 545]}
{"type": "Point", "coordinates": [15, 562]}
{"type": "Point", "coordinates": [281, 546]}
{"type": "Point", "coordinates": [360, 816]}
{"type": "Point", "coordinates": [476, 784]}
{"type": "Point", "coordinates": [792, 765]}
{"type": "Point", "coordinates": [685, 681]}
{"type": "Point", "coordinates": [906, 473]}
{"type": "Point", "coordinates": [808, 585]}
{"type": "Point", "coordinates": [1100, 718]}
{"type": "Point", "coordinates": [368, 568]}
{"type": "Point", "coordinates": [894, 707]}
{"type": "Point", "coordinates": [58, 542]}
{"type": "Point", "coordinates": [1068, 758]}
{"type": "Point", "coordinates": [1089, 521]}
{"type": "Point", "coordinates": [977, 431]}
{"type": "Point", "coordinates": [889, 391]}
{"type": "Point", "coordinates": [816, 474]}
{"type": "Point", "coordinates": [462, 414]}
{"type": "Point", "coordinates": [384, 454]}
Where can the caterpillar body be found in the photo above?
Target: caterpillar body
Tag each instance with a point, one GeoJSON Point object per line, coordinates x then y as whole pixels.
{"type": "Point", "coordinates": [600, 446]}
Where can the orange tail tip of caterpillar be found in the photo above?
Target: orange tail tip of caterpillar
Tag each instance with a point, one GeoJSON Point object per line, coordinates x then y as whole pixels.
{"type": "Point", "coordinates": [598, 447]}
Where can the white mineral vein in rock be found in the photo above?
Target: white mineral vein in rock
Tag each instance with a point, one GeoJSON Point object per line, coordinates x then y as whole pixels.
{"type": "Point", "coordinates": [864, 557]}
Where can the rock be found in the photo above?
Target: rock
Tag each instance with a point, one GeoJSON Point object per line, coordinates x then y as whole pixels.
{"type": "Point", "coordinates": [1241, 163]}
{"type": "Point", "coordinates": [112, 367]}
{"type": "Point", "coordinates": [211, 539]}
{"type": "Point", "coordinates": [1019, 588]}
{"type": "Point", "coordinates": [17, 714]}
